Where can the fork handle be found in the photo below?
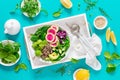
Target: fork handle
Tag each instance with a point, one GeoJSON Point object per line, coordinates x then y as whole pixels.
{"type": "Point", "coordinates": [87, 45]}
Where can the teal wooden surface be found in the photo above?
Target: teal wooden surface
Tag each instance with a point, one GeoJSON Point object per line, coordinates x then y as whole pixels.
{"type": "Point", "coordinates": [48, 73]}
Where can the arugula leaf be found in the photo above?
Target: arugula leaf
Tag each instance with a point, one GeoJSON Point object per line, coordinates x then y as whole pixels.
{"type": "Point", "coordinates": [61, 70]}
{"type": "Point", "coordinates": [57, 13]}
{"type": "Point", "coordinates": [107, 55]}
{"type": "Point", "coordinates": [111, 68]}
{"type": "Point", "coordinates": [20, 66]}
{"type": "Point", "coordinates": [74, 60]}
{"type": "Point", "coordinates": [115, 56]}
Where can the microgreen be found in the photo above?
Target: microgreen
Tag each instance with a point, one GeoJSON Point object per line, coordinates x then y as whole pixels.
{"type": "Point", "coordinates": [30, 7]}
{"type": "Point", "coordinates": [20, 66]}
{"type": "Point", "coordinates": [115, 56]}
{"type": "Point", "coordinates": [57, 13]}
{"type": "Point", "coordinates": [103, 12]}
{"type": "Point", "coordinates": [73, 60]}
{"type": "Point", "coordinates": [45, 11]}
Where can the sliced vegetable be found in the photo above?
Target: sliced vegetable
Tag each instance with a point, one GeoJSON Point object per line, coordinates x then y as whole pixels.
{"type": "Point", "coordinates": [50, 37]}
{"type": "Point", "coordinates": [52, 31]}
{"type": "Point", "coordinates": [53, 56]}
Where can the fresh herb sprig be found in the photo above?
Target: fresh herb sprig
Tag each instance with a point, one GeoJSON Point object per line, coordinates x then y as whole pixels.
{"type": "Point", "coordinates": [90, 4]}
{"type": "Point", "coordinates": [73, 60]}
{"type": "Point", "coordinates": [61, 70]}
{"type": "Point", "coordinates": [20, 66]}
{"type": "Point", "coordinates": [111, 67]}
{"type": "Point", "coordinates": [57, 13]}
{"type": "Point", "coordinates": [13, 11]}
{"type": "Point", "coordinates": [103, 12]}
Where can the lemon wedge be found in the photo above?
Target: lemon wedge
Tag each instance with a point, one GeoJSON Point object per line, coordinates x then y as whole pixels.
{"type": "Point", "coordinates": [82, 74]}
{"type": "Point", "coordinates": [66, 3]}
{"type": "Point", "coordinates": [108, 35]}
{"type": "Point", "coordinates": [113, 38]}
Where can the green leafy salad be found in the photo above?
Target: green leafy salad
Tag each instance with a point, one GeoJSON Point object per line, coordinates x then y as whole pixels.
{"type": "Point", "coordinates": [9, 52]}
{"type": "Point", "coordinates": [50, 43]}
{"type": "Point", "coordinates": [30, 7]}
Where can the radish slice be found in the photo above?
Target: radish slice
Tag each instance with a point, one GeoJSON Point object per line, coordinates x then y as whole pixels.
{"type": "Point", "coordinates": [51, 30]}
{"type": "Point", "coordinates": [55, 27]}
{"type": "Point", "coordinates": [50, 37]}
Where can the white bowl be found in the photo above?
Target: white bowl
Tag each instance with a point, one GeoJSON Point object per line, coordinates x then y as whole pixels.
{"type": "Point", "coordinates": [75, 73]}
{"type": "Point", "coordinates": [100, 28]}
{"type": "Point", "coordinates": [10, 64]}
{"type": "Point", "coordinates": [39, 5]}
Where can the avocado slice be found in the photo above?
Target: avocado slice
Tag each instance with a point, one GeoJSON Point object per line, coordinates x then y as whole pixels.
{"type": "Point", "coordinates": [53, 56]}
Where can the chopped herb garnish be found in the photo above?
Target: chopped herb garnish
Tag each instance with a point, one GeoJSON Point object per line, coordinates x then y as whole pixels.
{"type": "Point", "coordinates": [20, 66]}
{"type": "Point", "coordinates": [73, 60]}
{"type": "Point", "coordinates": [57, 13]}
{"type": "Point", "coordinates": [104, 13]}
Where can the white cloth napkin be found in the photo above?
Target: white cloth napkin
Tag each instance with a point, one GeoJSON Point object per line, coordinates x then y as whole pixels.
{"type": "Point", "coordinates": [80, 52]}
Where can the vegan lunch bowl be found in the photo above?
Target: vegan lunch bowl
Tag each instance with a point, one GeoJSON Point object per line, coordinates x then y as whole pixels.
{"type": "Point", "coordinates": [9, 52]}
{"type": "Point", "coordinates": [50, 43]}
{"type": "Point", "coordinates": [30, 8]}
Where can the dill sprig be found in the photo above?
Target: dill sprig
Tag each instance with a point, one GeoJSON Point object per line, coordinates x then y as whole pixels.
{"type": "Point", "coordinates": [104, 13]}
{"type": "Point", "coordinates": [90, 4]}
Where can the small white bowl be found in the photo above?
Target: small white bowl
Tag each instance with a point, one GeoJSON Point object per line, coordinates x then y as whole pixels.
{"type": "Point", "coordinates": [39, 5]}
{"type": "Point", "coordinates": [103, 27]}
{"type": "Point", "coordinates": [75, 73]}
{"type": "Point", "coordinates": [10, 64]}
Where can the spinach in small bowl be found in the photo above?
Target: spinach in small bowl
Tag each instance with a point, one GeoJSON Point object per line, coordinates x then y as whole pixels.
{"type": "Point", "coordinates": [9, 52]}
{"type": "Point", "coordinates": [30, 8]}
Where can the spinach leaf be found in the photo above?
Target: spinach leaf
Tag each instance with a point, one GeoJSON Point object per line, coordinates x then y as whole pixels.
{"type": "Point", "coordinates": [73, 60]}
{"type": "Point", "coordinates": [115, 56]}
{"type": "Point", "coordinates": [111, 68]}
{"type": "Point", "coordinates": [57, 13]}
{"type": "Point", "coordinates": [107, 55]}
{"type": "Point", "coordinates": [10, 58]}
{"type": "Point", "coordinates": [20, 66]}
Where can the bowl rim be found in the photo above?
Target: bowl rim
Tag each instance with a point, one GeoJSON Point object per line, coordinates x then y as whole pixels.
{"type": "Point", "coordinates": [24, 13]}
{"type": "Point", "coordinates": [11, 64]}
{"type": "Point", "coordinates": [104, 25]}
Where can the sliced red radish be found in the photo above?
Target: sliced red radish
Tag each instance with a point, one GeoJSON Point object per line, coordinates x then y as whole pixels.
{"type": "Point", "coordinates": [55, 40]}
{"type": "Point", "coordinates": [54, 45]}
{"type": "Point", "coordinates": [51, 30]}
{"type": "Point", "coordinates": [55, 27]}
{"type": "Point", "coordinates": [50, 37]}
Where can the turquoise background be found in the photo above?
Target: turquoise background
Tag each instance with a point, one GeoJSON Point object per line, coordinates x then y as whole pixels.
{"type": "Point", "coordinates": [48, 73]}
